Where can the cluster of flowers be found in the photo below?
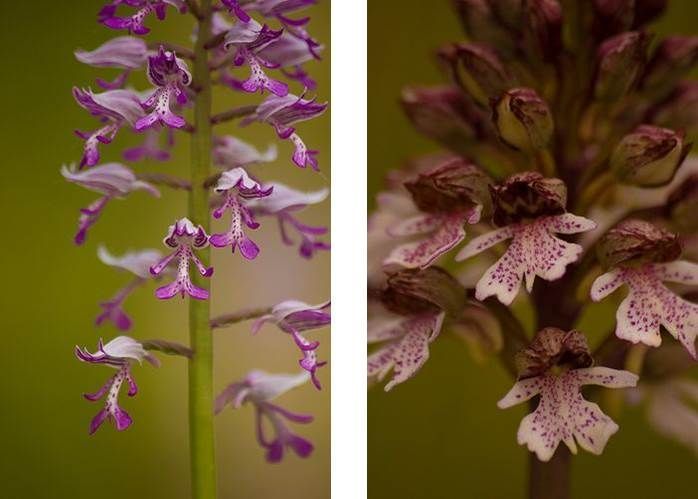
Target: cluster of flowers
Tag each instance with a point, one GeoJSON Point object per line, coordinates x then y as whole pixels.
{"type": "Point", "coordinates": [533, 123]}
{"type": "Point", "coordinates": [240, 36]}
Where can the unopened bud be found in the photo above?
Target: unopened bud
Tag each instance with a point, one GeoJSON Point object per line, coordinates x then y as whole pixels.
{"type": "Point", "coordinates": [527, 195]}
{"type": "Point", "coordinates": [523, 119]}
{"type": "Point", "coordinates": [442, 113]}
{"type": "Point", "coordinates": [542, 28]}
{"type": "Point", "coordinates": [681, 109]}
{"type": "Point", "coordinates": [674, 57]}
{"type": "Point", "coordinates": [647, 11]}
{"type": "Point", "coordinates": [649, 156]}
{"type": "Point", "coordinates": [413, 291]}
{"type": "Point", "coordinates": [453, 185]}
{"type": "Point", "coordinates": [552, 348]}
{"type": "Point", "coordinates": [481, 20]}
{"type": "Point", "coordinates": [682, 205]}
{"type": "Point", "coordinates": [621, 60]}
{"type": "Point", "coordinates": [636, 242]}
{"type": "Point", "coordinates": [612, 17]}
{"type": "Point", "coordinates": [478, 69]}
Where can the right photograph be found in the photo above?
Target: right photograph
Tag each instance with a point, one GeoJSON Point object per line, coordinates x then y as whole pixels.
{"type": "Point", "coordinates": [532, 249]}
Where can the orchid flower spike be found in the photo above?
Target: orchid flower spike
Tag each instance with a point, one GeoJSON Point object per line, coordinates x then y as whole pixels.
{"type": "Point", "coordinates": [123, 52]}
{"type": "Point", "coordinates": [555, 366]}
{"type": "Point", "coordinates": [134, 23]}
{"type": "Point", "coordinates": [137, 263]}
{"type": "Point", "coordinates": [119, 354]}
{"type": "Point", "coordinates": [281, 113]}
{"type": "Point", "coordinates": [282, 203]}
{"type": "Point", "coordinates": [237, 185]}
{"type": "Point", "coordinates": [529, 209]}
{"type": "Point", "coordinates": [260, 388]}
{"type": "Point", "coordinates": [295, 317]}
{"type": "Point", "coordinates": [112, 180]}
{"type": "Point", "coordinates": [170, 75]}
{"type": "Point", "coordinates": [247, 37]}
{"type": "Point", "coordinates": [114, 108]}
{"type": "Point", "coordinates": [185, 237]}
{"type": "Point", "coordinates": [230, 152]}
{"type": "Point", "coordinates": [643, 257]}
{"type": "Point", "coordinates": [449, 195]}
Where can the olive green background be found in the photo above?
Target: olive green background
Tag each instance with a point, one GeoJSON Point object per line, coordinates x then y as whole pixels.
{"type": "Point", "coordinates": [440, 434]}
{"type": "Point", "coordinates": [51, 288]}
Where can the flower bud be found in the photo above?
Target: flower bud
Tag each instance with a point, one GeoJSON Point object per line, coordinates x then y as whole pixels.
{"type": "Point", "coordinates": [649, 156]}
{"type": "Point", "coordinates": [681, 109]}
{"type": "Point", "coordinates": [481, 20]}
{"type": "Point", "coordinates": [442, 113]}
{"type": "Point", "coordinates": [413, 291]}
{"type": "Point", "coordinates": [553, 348]}
{"type": "Point", "coordinates": [542, 28]}
{"type": "Point", "coordinates": [647, 10]}
{"type": "Point", "coordinates": [682, 205]}
{"type": "Point", "coordinates": [636, 242]}
{"type": "Point", "coordinates": [453, 185]}
{"type": "Point", "coordinates": [612, 17]}
{"type": "Point", "coordinates": [674, 57]}
{"type": "Point", "coordinates": [523, 119]}
{"type": "Point", "coordinates": [620, 61]}
{"type": "Point", "coordinates": [527, 195]}
{"type": "Point", "coordinates": [477, 68]}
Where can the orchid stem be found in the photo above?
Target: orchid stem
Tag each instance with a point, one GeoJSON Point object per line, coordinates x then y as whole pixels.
{"type": "Point", "coordinates": [550, 480]}
{"type": "Point", "coordinates": [201, 434]}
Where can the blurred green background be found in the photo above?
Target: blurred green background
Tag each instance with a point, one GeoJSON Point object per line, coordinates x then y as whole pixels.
{"type": "Point", "coordinates": [441, 434]}
{"type": "Point", "coordinates": [52, 288]}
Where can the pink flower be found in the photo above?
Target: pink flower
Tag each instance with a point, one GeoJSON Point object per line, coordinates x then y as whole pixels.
{"type": "Point", "coordinates": [185, 237]}
{"type": "Point", "coordinates": [534, 251]}
{"type": "Point", "coordinates": [562, 414]}
{"type": "Point", "coordinates": [119, 353]}
{"type": "Point", "coordinates": [260, 388]}
{"type": "Point", "coordinates": [404, 345]}
{"type": "Point", "coordinates": [650, 304]}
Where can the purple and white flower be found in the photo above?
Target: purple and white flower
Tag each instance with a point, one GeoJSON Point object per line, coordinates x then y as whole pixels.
{"type": "Point", "coordinates": [237, 185]}
{"type": "Point", "coordinates": [562, 414]}
{"type": "Point", "coordinates": [295, 317]}
{"type": "Point", "coordinates": [114, 108]}
{"type": "Point", "coordinates": [260, 388]}
{"type": "Point", "coordinates": [123, 52]}
{"type": "Point", "coordinates": [289, 53]}
{"type": "Point", "coordinates": [185, 237]}
{"type": "Point", "coordinates": [281, 113]}
{"type": "Point", "coordinates": [534, 251]}
{"type": "Point", "coordinates": [112, 180]}
{"type": "Point", "coordinates": [231, 152]}
{"type": "Point", "coordinates": [650, 304]}
{"type": "Point", "coordinates": [119, 354]}
{"type": "Point", "coordinates": [135, 262]}
{"type": "Point", "coordinates": [282, 203]}
{"type": "Point", "coordinates": [150, 147]}
{"type": "Point", "coordinates": [248, 37]}
{"type": "Point", "coordinates": [170, 75]}
{"type": "Point", "coordinates": [404, 345]}
{"type": "Point", "coordinates": [134, 23]}
{"type": "Point", "coordinates": [443, 231]}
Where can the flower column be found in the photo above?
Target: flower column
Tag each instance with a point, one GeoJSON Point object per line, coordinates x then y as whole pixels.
{"type": "Point", "coordinates": [201, 443]}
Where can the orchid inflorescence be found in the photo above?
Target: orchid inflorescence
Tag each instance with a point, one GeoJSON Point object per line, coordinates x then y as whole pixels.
{"type": "Point", "coordinates": [265, 38]}
{"type": "Point", "coordinates": [564, 170]}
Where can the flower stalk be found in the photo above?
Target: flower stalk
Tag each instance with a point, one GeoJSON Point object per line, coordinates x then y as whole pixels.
{"type": "Point", "coordinates": [201, 434]}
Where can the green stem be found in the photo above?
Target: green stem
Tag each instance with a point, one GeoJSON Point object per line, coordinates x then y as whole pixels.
{"type": "Point", "coordinates": [201, 438]}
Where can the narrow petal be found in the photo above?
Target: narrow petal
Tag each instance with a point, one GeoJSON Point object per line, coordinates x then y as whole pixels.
{"type": "Point", "coordinates": [419, 224]}
{"type": "Point", "coordinates": [522, 391]}
{"type": "Point", "coordinates": [605, 376]}
{"type": "Point", "coordinates": [606, 284]}
{"type": "Point", "coordinates": [568, 223]}
{"type": "Point", "coordinates": [679, 271]}
{"type": "Point", "coordinates": [483, 242]}
{"type": "Point", "coordinates": [421, 254]}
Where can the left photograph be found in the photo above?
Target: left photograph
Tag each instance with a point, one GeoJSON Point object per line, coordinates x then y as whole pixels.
{"type": "Point", "coordinates": [169, 211]}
